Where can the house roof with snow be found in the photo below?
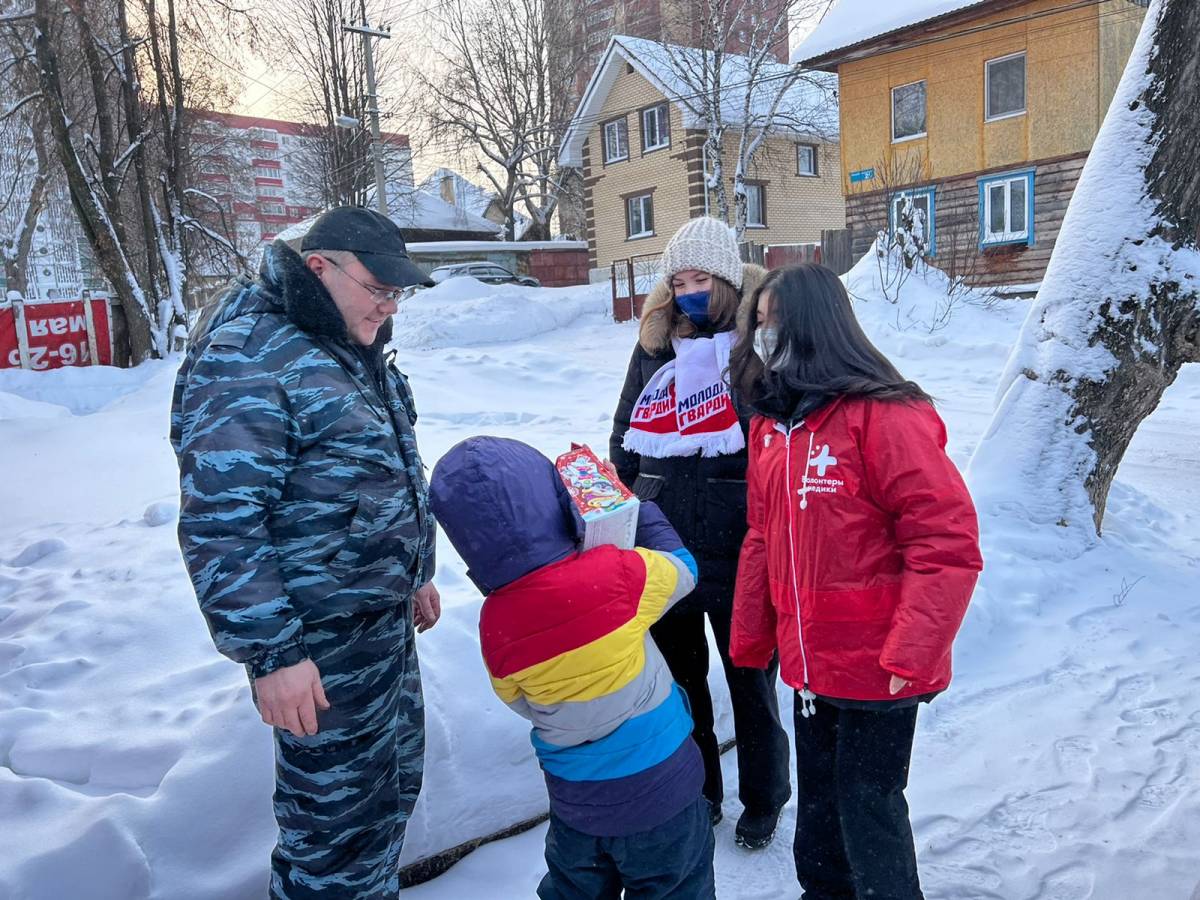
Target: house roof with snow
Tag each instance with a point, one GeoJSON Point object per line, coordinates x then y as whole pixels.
{"type": "Point", "coordinates": [467, 194]}
{"type": "Point", "coordinates": [470, 196]}
{"type": "Point", "coordinates": [854, 28]}
{"type": "Point", "coordinates": [421, 216]}
{"type": "Point", "coordinates": [808, 108]}
{"type": "Point", "coordinates": [422, 211]}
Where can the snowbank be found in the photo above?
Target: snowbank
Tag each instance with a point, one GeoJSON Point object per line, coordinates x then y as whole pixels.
{"type": "Point", "coordinates": [926, 313]}
{"type": "Point", "coordinates": [73, 391]}
{"type": "Point", "coordinates": [463, 311]}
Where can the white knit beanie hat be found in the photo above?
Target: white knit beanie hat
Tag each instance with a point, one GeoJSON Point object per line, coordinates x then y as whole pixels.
{"type": "Point", "coordinates": [707, 245]}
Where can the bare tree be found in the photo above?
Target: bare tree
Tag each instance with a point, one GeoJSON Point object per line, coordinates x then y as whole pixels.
{"type": "Point", "coordinates": [504, 104]}
{"type": "Point", "coordinates": [1118, 313]}
{"type": "Point", "coordinates": [182, 38]}
{"type": "Point", "coordinates": [334, 162]}
{"type": "Point", "coordinates": [25, 163]}
{"type": "Point", "coordinates": [116, 84]}
{"type": "Point", "coordinates": [727, 69]}
{"type": "Point", "coordinates": [80, 51]}
{"type": "Point", "coordinates": [549, 70]}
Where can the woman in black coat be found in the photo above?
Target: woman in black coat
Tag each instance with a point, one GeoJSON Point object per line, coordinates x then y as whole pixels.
{"type": "Point", "coordinates": [704, 497]}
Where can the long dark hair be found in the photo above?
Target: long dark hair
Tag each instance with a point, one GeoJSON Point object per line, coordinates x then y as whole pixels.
{"type": "Point", "coordinates": [822, 351]}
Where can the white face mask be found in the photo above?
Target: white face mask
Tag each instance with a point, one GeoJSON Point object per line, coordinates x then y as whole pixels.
{"type": "Point", "coordinates": [766, 339]}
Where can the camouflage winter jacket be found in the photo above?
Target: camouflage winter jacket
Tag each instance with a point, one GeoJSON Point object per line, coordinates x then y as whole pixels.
{"type": "Point", "coordinates": [303, 496]}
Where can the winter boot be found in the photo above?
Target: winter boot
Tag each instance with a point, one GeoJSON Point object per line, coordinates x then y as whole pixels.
{"type": "Point", "coordinates": [756, 830]}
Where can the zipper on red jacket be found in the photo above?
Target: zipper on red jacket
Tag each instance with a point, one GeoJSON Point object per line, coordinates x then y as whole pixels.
{"type": "Point", "coordinates": [808, 706]}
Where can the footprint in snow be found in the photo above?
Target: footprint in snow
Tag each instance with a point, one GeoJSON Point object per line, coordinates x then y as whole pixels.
{"type": "Point", "coordinates": [1072, 882]}
{"type": "Point", "coordinates": [1132, 687]}
{"type": "Point", "coordinates": [1019, 823]}
{"type": "Point", "coordinates": [1158, 796]}
{"type": "Point", "coordinates": [1157, 711]}
{"type": "Point", "coordinates": [1185, 740]}
{"type": "Point", "coordinates": [956, 882]}
{"type": "Point", "coordinates": [1093, 624]}
{"type": "Point", "coordinates": [1074, 756]}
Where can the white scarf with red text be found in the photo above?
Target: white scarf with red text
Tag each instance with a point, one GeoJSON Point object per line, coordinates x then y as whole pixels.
{"type": "Point", "coordinates": [687, 408]}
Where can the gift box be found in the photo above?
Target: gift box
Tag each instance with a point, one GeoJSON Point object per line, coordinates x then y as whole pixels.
{"type": "Point", "coordinates": [608, 507]}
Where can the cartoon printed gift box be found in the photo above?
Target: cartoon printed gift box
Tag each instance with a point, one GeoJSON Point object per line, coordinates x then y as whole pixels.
{"type": "Point", "coordinates": [609, 509]}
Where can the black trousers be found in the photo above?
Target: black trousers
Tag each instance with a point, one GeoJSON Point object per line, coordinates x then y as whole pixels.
{"type": "Point", "coordinates": [853, 836]}
{"type": "Point", "coordinates": [762, 745]}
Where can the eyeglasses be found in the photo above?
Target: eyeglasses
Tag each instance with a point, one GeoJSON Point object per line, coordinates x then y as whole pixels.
{"type": "Point", "coordinates": [378, 294]}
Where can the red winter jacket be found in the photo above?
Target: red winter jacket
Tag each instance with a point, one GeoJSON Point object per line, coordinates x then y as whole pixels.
{"type": "Point", "coordinates": [862, 550]}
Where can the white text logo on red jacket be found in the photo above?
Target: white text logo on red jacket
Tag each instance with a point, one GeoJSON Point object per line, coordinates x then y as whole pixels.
{"type": "Point", "coordinates": [821, 460]}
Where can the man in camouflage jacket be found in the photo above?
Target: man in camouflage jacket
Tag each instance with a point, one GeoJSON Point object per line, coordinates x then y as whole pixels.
{"type": "Point", "coordinates": [306, 529]}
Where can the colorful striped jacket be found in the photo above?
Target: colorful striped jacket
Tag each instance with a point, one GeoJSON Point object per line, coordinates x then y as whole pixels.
{"type": "Point", "coordinates": [565, 637]}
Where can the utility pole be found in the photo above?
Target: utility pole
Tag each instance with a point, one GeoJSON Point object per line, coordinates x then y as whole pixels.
{"type": "Point", "coordinates": [367, 33]}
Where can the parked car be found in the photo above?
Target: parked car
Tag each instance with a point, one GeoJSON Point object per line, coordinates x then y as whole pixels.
{"type": "Point", "coordinates": [489, 273]}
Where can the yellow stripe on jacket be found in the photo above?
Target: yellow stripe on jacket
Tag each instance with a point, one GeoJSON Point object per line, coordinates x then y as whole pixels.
{"type": "Point", "coordinates": [606, 664]}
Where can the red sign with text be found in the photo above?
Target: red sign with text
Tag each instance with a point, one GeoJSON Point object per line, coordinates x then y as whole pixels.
{"type": "Point", "coordinates": [56, 334]}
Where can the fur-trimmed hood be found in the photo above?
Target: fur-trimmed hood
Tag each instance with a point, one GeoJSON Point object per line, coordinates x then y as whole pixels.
{"type": "Point", "coordinates": [655, 332]}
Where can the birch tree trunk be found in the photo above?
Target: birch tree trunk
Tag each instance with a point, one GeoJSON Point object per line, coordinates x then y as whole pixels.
{"type": "Point", "coordinates": [1119, 311]}
{"type": "Point", "coordinates": [93, 202]}
{"type": "Point", "coordinates": [23, 196]}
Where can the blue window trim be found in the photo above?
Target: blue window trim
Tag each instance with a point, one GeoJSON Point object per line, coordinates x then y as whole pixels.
{"type": "Point", "coordinates": [931, 192]}
{"type": "Point", "coordinates": [987, 180]}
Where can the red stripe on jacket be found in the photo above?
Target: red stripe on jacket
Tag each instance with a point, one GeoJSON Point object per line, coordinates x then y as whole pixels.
{"type": "Point", "coordinates": [536, 619]}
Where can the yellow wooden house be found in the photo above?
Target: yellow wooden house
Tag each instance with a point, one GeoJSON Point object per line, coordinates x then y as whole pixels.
{"type": "Point", "coordinates": [638, 138]}
{"type": "Point", "coordinates": [981, 113]}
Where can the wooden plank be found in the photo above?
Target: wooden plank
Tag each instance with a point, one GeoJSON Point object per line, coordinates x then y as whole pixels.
{"type": "Point", "coordinates": [90, 323]}
{"type": "Point", "coordinates": [18, 308]}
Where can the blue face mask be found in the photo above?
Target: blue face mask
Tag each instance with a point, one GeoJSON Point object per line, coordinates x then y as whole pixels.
{"type": "Point", "coordinates": [695, 307]}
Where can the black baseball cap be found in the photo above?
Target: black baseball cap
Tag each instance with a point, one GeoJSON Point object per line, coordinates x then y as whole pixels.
{"type": "Point", "coordinates": [372, 237]}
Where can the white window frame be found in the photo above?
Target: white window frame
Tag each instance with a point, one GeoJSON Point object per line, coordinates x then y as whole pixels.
{"type": "Point", "coordinates": [987, 88]}
{"type": "Point", "coordinates": [989, 238]}
{"type": "Point", "coordinates": [816, 165]}
{"type": "Point", "coordinates": [644, 201]}
{"type": "Point", "coordinates": [923, 133]}
{"type": "Point", "coordinates": [621, 129]}
{"type": "Point", "coordinates": [662, 122]}
{"type": "Point", "coordinates": [762, 206]}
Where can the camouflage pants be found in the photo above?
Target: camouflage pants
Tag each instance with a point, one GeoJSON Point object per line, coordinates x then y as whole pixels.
{"type": "Point", "coordinates": [343, 797]}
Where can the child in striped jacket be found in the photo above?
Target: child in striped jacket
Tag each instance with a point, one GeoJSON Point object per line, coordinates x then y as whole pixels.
{"type": "Point", "coordinates": [565, 637]}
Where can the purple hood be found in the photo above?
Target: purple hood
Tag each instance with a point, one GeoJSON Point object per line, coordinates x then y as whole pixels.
{"type": "Point", "coordinates": [504, 508]}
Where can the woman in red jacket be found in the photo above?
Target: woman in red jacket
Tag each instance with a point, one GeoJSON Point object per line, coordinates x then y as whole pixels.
{"type": "Point", "coordinates": [860, 559]}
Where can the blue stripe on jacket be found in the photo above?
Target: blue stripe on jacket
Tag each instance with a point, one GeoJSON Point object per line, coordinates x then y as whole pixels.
{"type": "Point", "coordinates": [638, 744]}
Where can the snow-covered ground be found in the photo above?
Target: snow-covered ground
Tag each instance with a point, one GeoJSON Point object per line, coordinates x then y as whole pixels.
{"type": "Point", "coordinates": [1063, 764]}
